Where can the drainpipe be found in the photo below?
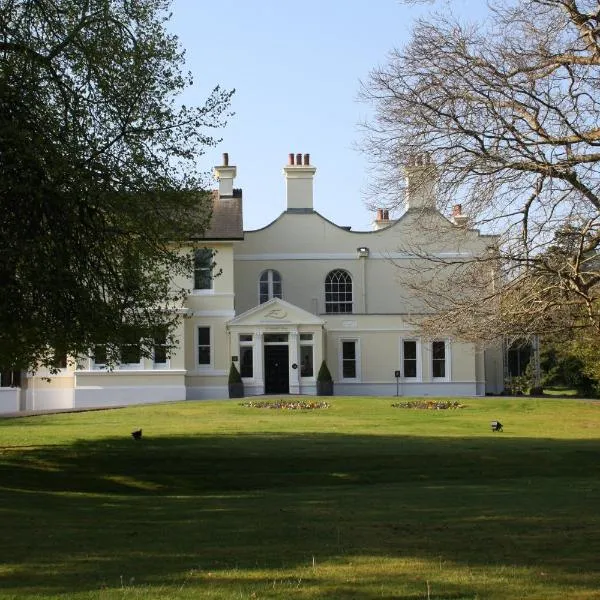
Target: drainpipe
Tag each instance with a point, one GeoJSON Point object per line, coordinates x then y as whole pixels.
{"type": "Point", "coordinates": [363, 254]}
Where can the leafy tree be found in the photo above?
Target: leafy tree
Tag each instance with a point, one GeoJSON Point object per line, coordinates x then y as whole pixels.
{"type": "Point", "coordinates": [509, 113]}
{"type": "Point", "coordinates": [572, 364]}
{"type": "Point", "coordinates": [99, 186]}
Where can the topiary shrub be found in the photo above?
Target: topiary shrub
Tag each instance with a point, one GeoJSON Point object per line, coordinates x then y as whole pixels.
{"type": "Point", "coordinates": [236, 385]}
{"type": "Point", "coordinates": [324, 381]}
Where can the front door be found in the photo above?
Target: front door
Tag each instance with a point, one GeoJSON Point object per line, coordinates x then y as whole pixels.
{"type": "Point", "coordinates": [277, 380]}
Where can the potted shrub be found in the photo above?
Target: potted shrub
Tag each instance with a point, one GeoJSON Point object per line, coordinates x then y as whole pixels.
{"type": "Point", "coordinates": [236, 385]}
{"type": "Point", "coordinates": [324, 381]}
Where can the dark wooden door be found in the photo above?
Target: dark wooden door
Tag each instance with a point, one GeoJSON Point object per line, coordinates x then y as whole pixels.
{"type": "Point", "coordinates": [277, 379]}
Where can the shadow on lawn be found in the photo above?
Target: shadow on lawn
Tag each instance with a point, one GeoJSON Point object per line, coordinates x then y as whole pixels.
{"type": "Point", "coordinates": [93, 514]}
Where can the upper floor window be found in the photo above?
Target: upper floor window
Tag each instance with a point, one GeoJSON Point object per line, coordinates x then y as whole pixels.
{"type": "Point", "coordinates": [269, 285]}
{"type": "Point", "coordinates": [203, 269]}
{"type": "Point", "coordinates": [338, 292]}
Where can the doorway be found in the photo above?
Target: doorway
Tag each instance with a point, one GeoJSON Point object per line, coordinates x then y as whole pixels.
{"type": "Point", "coordinates": [277, 379]}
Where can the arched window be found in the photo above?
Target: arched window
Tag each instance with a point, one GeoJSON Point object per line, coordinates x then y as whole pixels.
{"type": "Point", "coordinates": [338, 292]}
{"type": "Point", "coordinates": [269, 285]}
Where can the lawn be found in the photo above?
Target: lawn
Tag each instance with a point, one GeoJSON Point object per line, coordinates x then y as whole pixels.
{"type": "Point", "coordinates": [359, 500]}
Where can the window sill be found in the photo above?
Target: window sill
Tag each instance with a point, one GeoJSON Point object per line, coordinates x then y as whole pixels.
{"type": "Point", "coordinates": [207, 292]}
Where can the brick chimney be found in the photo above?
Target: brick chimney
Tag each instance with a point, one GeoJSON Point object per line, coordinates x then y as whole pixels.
{"type": "Point", "coordinates": [225, 175]}
{"type": "Point", "coordinates": [382, 219]}
{"type": "Point", "coordinates": [421, 180]}
{"type": "Point", "coordinates": [299, 175]}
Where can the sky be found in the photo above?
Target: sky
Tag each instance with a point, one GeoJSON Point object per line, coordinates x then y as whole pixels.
{"type": "Point", "coordinates": [296, 68]}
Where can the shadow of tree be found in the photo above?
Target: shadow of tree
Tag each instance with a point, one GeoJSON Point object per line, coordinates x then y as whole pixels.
{"type": "Point", "coordinates": [98, 513]}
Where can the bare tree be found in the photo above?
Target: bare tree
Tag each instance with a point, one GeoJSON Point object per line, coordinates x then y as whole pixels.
{"type": "Point", "coordinates": [509, 112]}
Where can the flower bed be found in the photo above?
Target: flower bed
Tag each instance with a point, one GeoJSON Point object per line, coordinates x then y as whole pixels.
{"type": "Point", "coordinates": [285, 404]}
{"type": "Point", "coordinates": [429, 404]}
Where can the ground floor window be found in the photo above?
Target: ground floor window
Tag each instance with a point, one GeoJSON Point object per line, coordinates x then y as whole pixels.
{"type": "Point", "coordinates": [350, 359]}
{"type": "Point", "coordinates": [246, 356]}
{"type": "Point", "coordinates": [306, 361]}
{"type": "Point", "coordinates": [438, 359]}
{"type": "Point", "coordinates": [410, 359]}
{"type": "Point", "coordinates": [204, 349]}
{"type": "Point", "coordinates": [99, 356]}
{"type": "Point", "coordinates": [10, 378]}
{"type": "Point", "coordinates": [160, 349]}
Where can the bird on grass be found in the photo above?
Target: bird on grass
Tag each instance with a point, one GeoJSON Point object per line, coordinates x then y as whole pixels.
{"type": "Point", "coordinates": [137, 435]}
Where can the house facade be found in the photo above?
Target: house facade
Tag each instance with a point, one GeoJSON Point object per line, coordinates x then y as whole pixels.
{"type": "Point", "coordinates": [279, 300]}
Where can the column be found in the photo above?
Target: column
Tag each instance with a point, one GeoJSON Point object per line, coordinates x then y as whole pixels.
{"type": "Point", "coordinates": [294, 373]}
{"type": "Point", "coordinates": [258, 366]}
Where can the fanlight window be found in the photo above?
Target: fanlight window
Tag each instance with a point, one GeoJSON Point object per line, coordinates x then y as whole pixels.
{"type": "Point", "coordinates": [269, 285]}
{"type": "Point", "coordinates": [338, 292]}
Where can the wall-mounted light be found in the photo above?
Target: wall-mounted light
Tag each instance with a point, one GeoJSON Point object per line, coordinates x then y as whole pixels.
{"type": "Point", "coordinates": [363, 252]}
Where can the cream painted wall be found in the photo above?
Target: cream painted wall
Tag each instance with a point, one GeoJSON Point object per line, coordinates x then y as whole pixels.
{"type": "Point", "coordinates": [305, 247]}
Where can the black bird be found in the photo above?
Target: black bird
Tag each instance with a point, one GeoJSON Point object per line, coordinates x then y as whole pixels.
{"type": "Point", "coordinates": [137, 435]}
{"type": "Point", "coordinates": [495, 425]}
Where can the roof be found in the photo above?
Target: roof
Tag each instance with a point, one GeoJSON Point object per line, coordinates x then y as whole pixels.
{"type": "Point", "coordinates": [226, 220]}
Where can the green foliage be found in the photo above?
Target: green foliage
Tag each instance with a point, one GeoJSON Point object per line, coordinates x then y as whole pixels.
{"type": "Point", "coordinates": [234, 374]}
{"type": "Point", "coordinates": [573, 365]}
{"type": "Point", "coordinates": [98, 179]}
{"type": "Point", "coordinates": [324, 373]}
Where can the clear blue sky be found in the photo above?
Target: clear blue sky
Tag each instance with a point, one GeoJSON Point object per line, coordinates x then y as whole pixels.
{"type": "Point", "coordinates": [296, 68]}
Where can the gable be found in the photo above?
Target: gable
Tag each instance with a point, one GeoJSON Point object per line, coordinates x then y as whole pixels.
{"type": "Point", "coordinates": [276, 312]}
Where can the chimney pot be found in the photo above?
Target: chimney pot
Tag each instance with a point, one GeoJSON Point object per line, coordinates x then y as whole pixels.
{"type": "Point", "coordinates": [386, 214]}
{"type": "Point", "coordinates": [457, 210]}
{"type": "Point", "coordinates": [299, 179]}
{"type": "Point", "coordinates": [379, 214]}
{"type": "Point", "coordinates": [225, 159]}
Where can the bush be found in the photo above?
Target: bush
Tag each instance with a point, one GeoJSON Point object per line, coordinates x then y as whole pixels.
{"type": "Point", "coordinates": [234, 375]}
{"type": "Point", "coordinates": [324, 374]}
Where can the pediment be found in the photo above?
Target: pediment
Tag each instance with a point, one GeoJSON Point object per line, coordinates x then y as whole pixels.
{"type": "Point", "coordinates": [276, 312]}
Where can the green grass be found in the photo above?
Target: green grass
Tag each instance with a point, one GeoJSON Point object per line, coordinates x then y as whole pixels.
{"type": "Point", "coordinates": [360, 500]}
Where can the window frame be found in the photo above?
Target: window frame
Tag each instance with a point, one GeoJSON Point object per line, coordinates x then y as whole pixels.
{"type": "Point", "coordinates": [210, 254]}
{"type": "Point", "coordinates": [447, 360]}
{"type": "Point", "coordinates": [329, 290]}
{"type": "Point", "coordinates": [357, 360]}
{"type": "Point", "coordinates": [270, 273]}
{"type": "Point", "coordinates": [130, 365]}
{"type": "Point", "coordinates": [160, 343]}
{"type": "Point", "coordinates": [204, 366]}
{"type": "Point", "coordinates": [306, 343]}
{"type": "Point", "coordinates": [419, 362]}
{"type": "Point", "coordinates": [243, 344]}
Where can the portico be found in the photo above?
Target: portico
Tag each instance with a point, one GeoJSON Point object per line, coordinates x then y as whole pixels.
{"type": "Point", "coordinates": [278, 348]}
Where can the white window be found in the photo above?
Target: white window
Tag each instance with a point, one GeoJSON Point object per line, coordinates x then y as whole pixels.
{"type": "Point", "coordinates": [338, 292]}
{"type": "Point", "coordinates": [204, 347]}
{"type": "Point", "coordinates": [203, 269]}
{"type": "Point", "coordinates": [350, 360]}
{"type": "Point", "coordinates": [440, 360]}
{"type": "Point", "coordinates": [269, 286]}
{"type": "Point", "coordinates": [160, 351]}
{"type": "Point", "coordinates": [410, 356]}
{"type": "Point", "coordinates": [306, 355]}
{"type": "Point", "coordinates": [131, 353]}
{"type": "Point", "coordinates": [99, 356]}
{"type": "Point", "coordinates": [246, 356]}
{"type": "Point", "coordinates": [10, 379]}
